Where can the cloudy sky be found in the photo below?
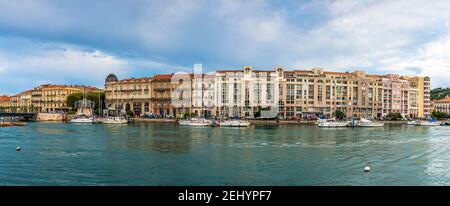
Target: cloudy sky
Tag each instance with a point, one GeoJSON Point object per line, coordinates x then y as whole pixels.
{"type": "Point", "coordinates": [81, 41]}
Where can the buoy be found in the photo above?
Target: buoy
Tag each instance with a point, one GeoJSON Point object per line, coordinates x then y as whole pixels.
{"type": "Point", "coordinates": [366, 169]}
{"type": "Point", "coordinates": [18, 148]}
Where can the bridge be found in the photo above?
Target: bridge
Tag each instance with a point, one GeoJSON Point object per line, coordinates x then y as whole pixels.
{"type": "Point", "coordinates": [17, 114]}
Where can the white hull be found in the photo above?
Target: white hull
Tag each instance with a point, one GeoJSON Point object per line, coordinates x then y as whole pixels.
{"type": "Point", "coordinates": [195, 123]}
{"type": "Point", "coordinates": [429, 124]}
{"type": "Point", "coordinates": [82, 120]}
{"type": "Point", "coordinates": [372, 124]}
{"type": "Point", "coordinates": [333, 124]}
{"type": "Point", "coordinates": [114, 120]}
{"type": "Point", "coordinates": [183, 123]}
{"type": "Point", "coordinates": [235, 123]}
{"type": "Point", "coordinates": [412, 123]}
{"type": "Point", "coordinates": [365, 123]}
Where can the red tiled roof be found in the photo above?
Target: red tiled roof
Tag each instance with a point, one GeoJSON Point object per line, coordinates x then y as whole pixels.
{"type": "Point", "coordinates": [443, 100]}
{"type": "Point", "coordinates": [5, 98]}
{"type": "Point", "coordinates": [162, 76]}
{"type": "Point", "coordinates": [229, 70]}
{"type": "Point", "coordinates": [135, 80]}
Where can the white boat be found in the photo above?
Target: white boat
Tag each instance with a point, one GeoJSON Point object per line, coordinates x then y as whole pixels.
{"type": "Point", "coordinates": [235, 123]}
{"type": "Point", "coordinates": [413, 122]}
{"type": "Point", "coordinates": [429, 123]}
{"type": "Point", "coordinates": [195, 122]}
{"type": "Point", "coordinates": [332, 123]}
{"type": "Point", "coordinates": [365, 123]}
{"type": "Point", "coordinates": [82, 119]}
{"type": "Point", "coordinates": [321, 121]}
{"type": "Point", "coordinates": [114, 120]}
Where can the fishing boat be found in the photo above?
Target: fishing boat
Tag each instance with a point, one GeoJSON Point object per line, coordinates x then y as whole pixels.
{"type": "Point", "coordinates": [364, 123]}
{"type": "Point", "coordinates": [332, 123]}
{"type": "Point", "coordinates": [234, 123]}
{"type": "Point", "coordinates": [82, 119]}
{"type": "Point", "coordinates": [195, 122]}
{"type": "Point", "coordinates": [114, 120]}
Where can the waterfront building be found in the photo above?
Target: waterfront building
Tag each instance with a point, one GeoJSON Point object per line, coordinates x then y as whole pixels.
{"type": "Point", "coordinates": [422, 85]}
{"type": "Point", "coordinates": [396, 95]}
{"type": "Point", "coordinates": [172, 94]}
{"type": "Point", "coordinates": [53, 98]}
{"type": "Point", "coordinates": [22, 102]}
{"type": "Point", "coordinates": [292, 94]}
{"type": "Point", "coordinates": [126, 95]}
{"type": "Point", "coordinates": [203, 94]}
{"type": "Point", "coordinates": [314, 93]}
{"type": "Point", "coordinates": [5, 103]}
{"type": "Point", "coordinates": [161, 94]}
{"type": "Point", "coordinates": [442, 105]}
{"type": "Point", "coordinates": [247, 92]}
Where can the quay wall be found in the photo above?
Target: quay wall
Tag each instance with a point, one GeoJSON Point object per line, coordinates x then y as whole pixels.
{"type": "Point", "coordinates": [52, 117]}
{"type": "Point", "coordinates": [259, 122]}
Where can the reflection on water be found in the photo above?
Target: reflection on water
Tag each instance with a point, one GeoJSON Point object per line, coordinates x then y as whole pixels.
{"type": "Point", "coordinates": [165, 154]}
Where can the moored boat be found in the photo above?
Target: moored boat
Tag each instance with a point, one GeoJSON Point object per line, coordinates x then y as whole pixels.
{"type": "Point", "coordinates": [114, 120]}
{"type": "Point", "coordinates": [82, 119]}
{"type": "Point", "coordinates": [332, 123]}
{"type": "Point", "coordinates": [365, 123]}
{"type": "Point", "coordinates": [196, 122]}
{"type": "Point", "coordinates": [234, 123]}
{"type": "Point", "coordinates": [413, 122]}
{"type": "Point", "coordinates": [429, 122]}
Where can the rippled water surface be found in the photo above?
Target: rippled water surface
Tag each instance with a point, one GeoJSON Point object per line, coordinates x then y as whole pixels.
{"type": "Point", "coordinates": [165, 154]}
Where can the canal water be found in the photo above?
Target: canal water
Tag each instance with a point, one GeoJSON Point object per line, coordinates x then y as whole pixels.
{"type": "Point", "coordinates": [166, 154]}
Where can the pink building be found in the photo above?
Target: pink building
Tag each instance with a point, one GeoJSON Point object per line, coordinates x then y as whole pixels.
{"type": "Point", "coordinates": [395, 95]}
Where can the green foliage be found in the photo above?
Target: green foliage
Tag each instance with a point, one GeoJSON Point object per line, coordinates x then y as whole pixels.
{"type": "Point", "coordinates": [439, 115]}
{"type": "Point", "coordinates": [130, 113]}
{"type": "Point", "coordinates": [92, 96]}
{"type": "Point", "coordinates": [394, 116]}
{"type": "Point", "coordinates": [339, 114]}
{"type": "Point", "coordinates": [188, 115]}
{"type": "Point", "coordinates": [439, 93]}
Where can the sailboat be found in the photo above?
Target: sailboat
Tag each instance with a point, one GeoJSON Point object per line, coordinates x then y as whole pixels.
{"type": "Point", "coordinates": [82, 118]}
{"type": "Point", "coordinates": [113, 120]}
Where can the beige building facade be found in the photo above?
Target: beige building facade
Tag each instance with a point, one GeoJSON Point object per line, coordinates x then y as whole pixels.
{"type": "Point", "coordinates": [122, 96]}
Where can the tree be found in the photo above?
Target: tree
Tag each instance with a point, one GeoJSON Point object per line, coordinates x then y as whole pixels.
{"type": "Point", "coordinates": [339, 114]}
{"type": "Point", "coordinates": [439, 115]}
{"type": "Point", "coordinates": [439, 93]}
{"type": "Point", "coordinates": [130, 113]}
{"type": "Point", "coordinates": [92, 96]}
{"type": "Point", "coordinates": [394, 116]}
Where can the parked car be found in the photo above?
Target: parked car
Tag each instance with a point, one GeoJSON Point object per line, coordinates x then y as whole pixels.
{"type": "Point", "coordinates": [150, 115]}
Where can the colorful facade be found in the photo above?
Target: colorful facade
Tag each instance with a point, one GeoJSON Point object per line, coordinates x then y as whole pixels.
{"type": "Point", "coordinates": [292, 94]}
{"type": "Point", "coordinates": [442, 105]}
{"type": "Point", "coordinates": [128, 95]}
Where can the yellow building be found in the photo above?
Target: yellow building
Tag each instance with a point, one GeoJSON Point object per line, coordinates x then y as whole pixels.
{"type": "Point", "coordinates": [53, 98]}
{"type": "Point", "coordinates": [422, 86]}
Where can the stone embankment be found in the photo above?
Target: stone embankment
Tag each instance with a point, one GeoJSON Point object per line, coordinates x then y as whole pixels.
{"type": "Point", "coordinates": [259, 122]}
{"type": "Point", "coordinates": [52, 117]}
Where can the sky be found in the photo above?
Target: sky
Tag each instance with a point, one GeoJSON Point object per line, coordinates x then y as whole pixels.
{"type": "Point", "coordinates": [82, 41]}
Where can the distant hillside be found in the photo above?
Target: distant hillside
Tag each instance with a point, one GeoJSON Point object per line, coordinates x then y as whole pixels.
{"type": "Point", "coordinates": [440, 93]}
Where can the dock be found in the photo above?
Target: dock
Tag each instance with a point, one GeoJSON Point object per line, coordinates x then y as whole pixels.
{"type": "Point", "coordinates": [12, 124]}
